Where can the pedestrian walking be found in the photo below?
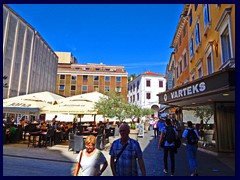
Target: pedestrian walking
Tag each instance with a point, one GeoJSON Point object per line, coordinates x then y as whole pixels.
{"type": "Point", "coordinates": [125, 153]}
{"type": "Point", "coordinates": [161, 125]}
{"type": "Point", "coordinates": [167, 139]}
{"type": "Point", "coordinates": [90, 159]}
{"type": "Point", "coordinates": [155, 128]}
{"type": "Point", "coordinates": [191, 136]}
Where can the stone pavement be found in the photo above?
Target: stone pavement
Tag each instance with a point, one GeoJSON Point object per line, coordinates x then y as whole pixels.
{"type": "Point", "coordinates": [209, 164]}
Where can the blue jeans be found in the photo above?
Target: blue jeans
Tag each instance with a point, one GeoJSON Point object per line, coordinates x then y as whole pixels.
{"type": "Point", "coordinates": [192, 156]}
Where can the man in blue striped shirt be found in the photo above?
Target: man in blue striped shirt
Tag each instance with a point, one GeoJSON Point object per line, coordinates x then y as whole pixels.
{"type": "Point", "coordinates": [126, 164]}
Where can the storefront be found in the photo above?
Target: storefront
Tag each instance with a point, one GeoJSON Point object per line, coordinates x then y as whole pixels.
{"type": "Point", "coordinates": [216, 91]}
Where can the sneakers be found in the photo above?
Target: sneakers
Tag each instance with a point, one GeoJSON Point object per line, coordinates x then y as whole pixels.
{"type": "Point", "coordinates": [165, 171]}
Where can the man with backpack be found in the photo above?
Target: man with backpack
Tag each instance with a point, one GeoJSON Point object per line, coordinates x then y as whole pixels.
{"type": "Point", "coordinates": [167, 138]}
{"type": "Point", "coordinates": [191, 136]}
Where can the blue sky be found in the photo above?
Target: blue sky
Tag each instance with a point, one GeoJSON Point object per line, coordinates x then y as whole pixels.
{"type": "Point", "coordinates": [137, 36]}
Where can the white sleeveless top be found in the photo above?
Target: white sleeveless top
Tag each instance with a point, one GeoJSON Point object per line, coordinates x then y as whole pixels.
{"type": "Point", "coordinates": [90, 166]}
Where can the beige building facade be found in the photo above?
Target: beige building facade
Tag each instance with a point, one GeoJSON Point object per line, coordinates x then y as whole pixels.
{"type": "Point", "coordinates": [29, 63]}
{"type": "Point", "coordinates": [74, 79]}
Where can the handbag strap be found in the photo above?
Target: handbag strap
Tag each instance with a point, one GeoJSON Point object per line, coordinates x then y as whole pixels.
{"type": "Point", "coordinates": [80, 158]}
{"type": "Point", "coordinates": [119, 154]}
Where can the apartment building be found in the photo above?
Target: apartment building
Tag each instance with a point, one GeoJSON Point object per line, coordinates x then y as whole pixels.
{"type": "Point", "coordinates": [29, 63]}
{"type": "Point", "coordinates": [211, 69]}
{"type": "Point", "coordinates": [73, 78]}
{"type": "Point", "coordinates": [143, 90]}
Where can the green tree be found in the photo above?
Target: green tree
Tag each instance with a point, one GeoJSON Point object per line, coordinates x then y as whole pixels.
{"type": "Point", "coordinates": [132, 76]}
{"type": "Point", "coordinates": [204, 113]}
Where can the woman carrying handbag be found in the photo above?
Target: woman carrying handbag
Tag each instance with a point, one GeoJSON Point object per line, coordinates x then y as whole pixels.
{"type": "Point", "coordinates": [90, 161]}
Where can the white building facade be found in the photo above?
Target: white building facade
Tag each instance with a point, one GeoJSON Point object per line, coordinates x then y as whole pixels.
{"type": "Point", "coordinates": [29, 63]}
{"type": "Point", "coordinates": [143, 90]}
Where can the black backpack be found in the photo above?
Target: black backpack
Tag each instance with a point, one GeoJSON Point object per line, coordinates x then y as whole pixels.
{"type": "Point", "coordinates": [170, 135]}
{"type": "Point", "coordinates": [192, 137]}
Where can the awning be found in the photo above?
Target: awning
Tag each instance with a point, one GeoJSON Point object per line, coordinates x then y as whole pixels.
{"type": "Point", "coordinates": [219, 86]}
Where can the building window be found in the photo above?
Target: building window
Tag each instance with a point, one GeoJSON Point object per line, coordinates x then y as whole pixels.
{"type": "Point", "coordinates": [87, 69]}
{"type": "Point", "coordinates": [97, 69]}
{"type": "Point", "coordinates": [195, 6]}
{"type": "Point", "coordinates": [96, 88]}
{"type": "Point", "coordinates": [107, 88]}
{"type": "Point", "coordinates": [138, 85]}
{"type": "Point", "coordinates": [190, 18]}
{"type": "Point", "coordinates": [107, 78]}
{"type": "Point", "coordinates": [134, 87]}
{"type": "Point", "coordinates": [200, 73]}
{"type": "Point", "coordinates": [85, 77]}
{"type": "Point", "coordinates": [180, 67]}
{"type": "Point", "coordinates": [107, 69]}
{"type": "Point", "coordinates": [137, 96]}
{"type": "Point", "coordinates": [76, 68]}
{"type": "Point", "coordinates": [61, 87]}
{"type": "Point", "coordinates": [73, 88]}
{"type": "Point", "coordinates": [185, 60]}
{"type": "Point", "coordinates": [184, 31]}
{"type": "Point", "coordinates": [197, 35]}
{"type": "Point", "coordinates": [148, 82]}
{"type": "Point", "coordinates": [133, 98]}
{"type": "Point", "coordinates": [84, 88]}
{"type": "Point", "coordinates": [191, 47]}
{"type": "Point", "coordinates": [131, 88]}
{"type": "Point", "coordinates": [160, 83]}
{"type": "Point", "coordinates": [148, 95]}
{"type": "Point", "coordinates": [226, 46]}
{"type": "Point", "coordinates": [62, 76]}
{"type": "Point", "coordinates": [118, 79]}
{"type": "Point", "coordinates": [180, 41]}
{"type": "Point", "coordinates": [96, 78]}
{"type": "Point", "coordinates": [206, 15]}
{"type": "Point", "coordinates": [210, 64]}
{"type": "Point", "coordinates": [118, 89]}
{"type": "Point", "coordinates": [193, 77]}
{"type": "Point", "coordinates": [176, 48]}
{"type": "Point", "coordinates": [74, 77]}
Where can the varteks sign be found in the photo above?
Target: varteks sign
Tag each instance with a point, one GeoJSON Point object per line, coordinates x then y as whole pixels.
{"type": "Point", "coordinates": [189, 90]}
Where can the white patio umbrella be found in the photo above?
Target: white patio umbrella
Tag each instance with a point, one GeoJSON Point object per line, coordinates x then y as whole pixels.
{"type": "Point", "coordinates": [92, 96]}
{"type": "Point", "coordinates": [71, 107]}
{"type": "Point", "coordinates": [18, 106]}
{"type": "Point", "coordinates": [45, 96]}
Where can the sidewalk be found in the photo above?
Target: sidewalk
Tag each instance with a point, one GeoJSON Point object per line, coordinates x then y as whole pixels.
{"type": "Point", "coordinates": [209, 164]}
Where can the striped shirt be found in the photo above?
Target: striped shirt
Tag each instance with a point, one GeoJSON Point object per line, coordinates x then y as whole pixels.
{"type": "Point", "coordinates": [127, 162]}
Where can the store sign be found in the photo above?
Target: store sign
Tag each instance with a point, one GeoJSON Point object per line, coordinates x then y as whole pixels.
{"type": "Point", "coordinates": [187, 91]}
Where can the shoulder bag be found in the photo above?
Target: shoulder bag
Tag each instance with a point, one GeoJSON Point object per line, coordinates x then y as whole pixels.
{"type": "Point", "coordinates": [77, 167]}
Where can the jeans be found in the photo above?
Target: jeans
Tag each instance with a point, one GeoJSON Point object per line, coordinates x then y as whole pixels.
{"type": "Point", "coordinates": [192, 156]}
{"type": "Point", "coordinates": [165, 158]}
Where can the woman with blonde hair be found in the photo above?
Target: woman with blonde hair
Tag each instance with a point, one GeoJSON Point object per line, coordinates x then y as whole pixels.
{"type": "Point", "coordinates": [90, 161]}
